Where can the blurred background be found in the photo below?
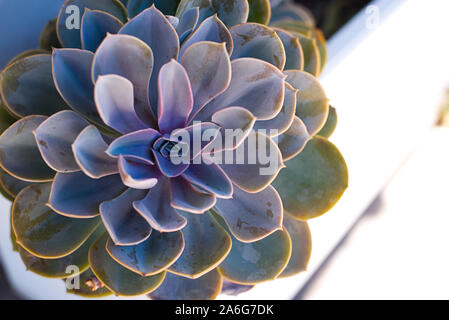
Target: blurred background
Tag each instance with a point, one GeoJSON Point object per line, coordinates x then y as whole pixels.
{"type": "Point", "coordinates": [387, 75]}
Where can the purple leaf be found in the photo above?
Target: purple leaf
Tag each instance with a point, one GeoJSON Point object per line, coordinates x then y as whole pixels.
{"type": "Point", "coordinates": [186, 197]}
{"type": "Point", "coordinates": [136, 144]}
{"type": "Point", "coordinates": [255, 85]}
{"type": "Point", "coordinates": [95, 25]}
{"type": "Point", "coordinates": [132, 59]}
{"type": "Point", "coordinates": [175, 97]}
{"type": "Point", "coordinates": [72, 73]}
{"type": "Point", "coordinates": [125, 226]}
{"type": "Point", "coordinates": [89, 150]}
{"type": "Point", "coordinates": [156, 209]}
{"type": "Point", "coordinates": [211, 29]}
{"type": "Point", "coordinates": [115, 103]}
{"type": "Point", "coordinates": [55, 136]}
{"type": "Point", "coordinates": [153, 28]}
{"type": "Point", "coordinates": [209, 69]}
{"type": "Point", "coordinates": [78, 196]}
{"type": "Point", "coordinates": [137, 174]}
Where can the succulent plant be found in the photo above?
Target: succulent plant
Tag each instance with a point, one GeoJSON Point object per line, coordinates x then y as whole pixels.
{"type": "Point", "coordinates": [90, 131]}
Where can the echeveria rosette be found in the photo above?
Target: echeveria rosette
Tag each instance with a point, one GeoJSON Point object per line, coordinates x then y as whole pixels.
{"type": "Point", "coordinates": [111, 148]}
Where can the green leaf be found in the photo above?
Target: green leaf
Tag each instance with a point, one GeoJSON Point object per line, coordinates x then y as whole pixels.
{"type": "Point", "coordinates": [84, 290]}
{"type": "Point", "coordinates": [206, 245]}
{"type": "Point", "coordinates": [6, 119]}
{"type": "Point", "coordinates": [116, 278]}
{"type": "Point", "coordinates": [330, 125]}
{"type": "Point", "coordinates": [49, 38]}
{"type": "Point", "coordinates": [150, 257]}
{"type": "Point", "coordinates": [57, 268]}
{"type": "Point", "coordinates": [41, 231]}
{"type": "Point", "coordinates": [301, 246]}
{"type": "Point", "coordinates": [312, 58]}
{"type": "Point", "coordinates": [27, 87]}
{"type": "Point", "coordinates": [259, 11]}
{"type": "Point", "coordinates": [252, 40]}
{"type": "Point", "coordinates": [12, 186]}
{"type": "Point", "coordinates": [313, 181]}
{"type": "Point", "coordinates": [264, 260]}
{"type": "Point", "coordinates": [312, 104]}
{"type": "Point", "coordinates": [175, 287]}
{"type": "Point", "coordinates": [19, 154]}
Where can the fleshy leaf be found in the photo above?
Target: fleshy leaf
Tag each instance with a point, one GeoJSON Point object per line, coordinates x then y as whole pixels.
{"type": "Point", "coordinates": [201, 231]}
{"type": "Point", "coordinates": [213, 30]}
{"type": "Point", "coordinates": [84, 290]}
{"type": "Point", "coordinates": [95, 25]}
{"type": "Point", "coordinates": [89, 150]}
{"type": "Point", "coordinates": [207, 131]}
{"type": "Point", "coordinates": [285, 10]}
{"type": "Point", "coordinates": [284, 119]}
{"type": "Point", "coordinates": [167, 167]}
{"type": "Point", "coordinates": [136, 145]}
{"type": "Point", "coordinates": [255, 85]}
{"type": "Point", "coordinates": [27, 87]}
{"type": "Point", "coordinates": [58, 268]}
{"type": "Point", "coordinates": [176, 287]}
{"type": "Point", "coordinates": [12, 186]}
{"type": "Point", "coordinates": [209, 69]}
{"type": "Point", "coordinates": [236, 124]}
{"type": "Point", "coordinates": [187, 22]}
{"type": "Point", "coordinates": [252, 216]}
{"type": "Point", "coordinates": [293, 50]}
{"type": "Point", "coordinates": [77, 195]}
{"type": "Point", "coordinates": [231, 12]}
{"type": "Point", "coordinates": [150, 257]}
{"type": "Point", "coordinates": [156, 209]}
{"type": "Point", "coordinates": [301, 246]}
{"type": "Point", "coordinates": [125, 226]}
{"type": "Point", "coordinates": [41, 231]}
{"type": "Point", "coordinates": [252, 263]}
{"type": "Point", "coordinates": [48, 38]}
{"type": "Point", "coordinates": [155, 30]}
{"type": "Point", "coordinates": [254, 164]}
{"type": "Point", "coordinates": [115, 103]}
{"type": "Point", "coordinates": [19, 154]}
{"type": "Point", "coordinates": [252, 40]}
{"type": "Point", "coordinates": [331, 124]}
{"type": "Point", "coordinates": [116, 278]}
{"type": "Point", "coordinates": [131, 58]}
{"type": "Point", "coordinates": [259, 11]}
{"type": "Point", "coordinates": [69, 18]}
{"type": "Point", "coordinates": [205, 8]}
{"type": "Point", "coordinates": [187, 198]}
{"type": "Point", "coordinates": [138, 174]}
{"type": "Point", "coordinates": [211, 178]}
{"type": "Point", "coordinates": [313, 181]}
{"type": "Point", "coordinates": [55, 136]}
{"type": "Point", "coordinates": [312, 59]}
{"type": "Point", "coordinates": [175, 97]}
{"type": "Point", "coordinates": [312, 105]}
{"type": "Point", "coordinates": [293, 141]}
{"type": "Point", "coordinates": [73, 79]}
{"type": "Point", "coordinates": [6, 118]}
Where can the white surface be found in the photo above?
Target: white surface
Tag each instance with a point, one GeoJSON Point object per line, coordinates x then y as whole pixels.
{"type": "Point", "coordinates": [386, 84]}
{"type": "Point", "coordinates": [400, 252]}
